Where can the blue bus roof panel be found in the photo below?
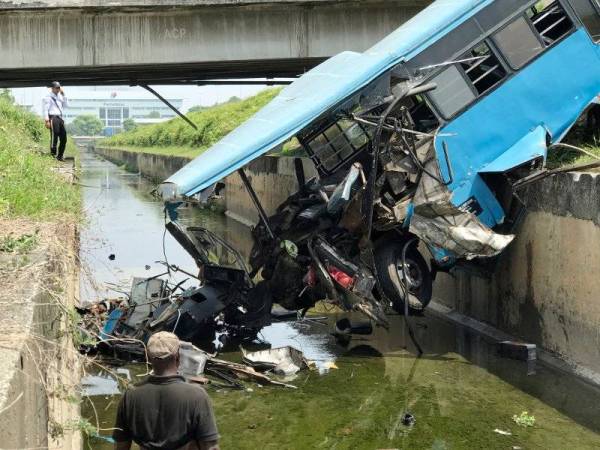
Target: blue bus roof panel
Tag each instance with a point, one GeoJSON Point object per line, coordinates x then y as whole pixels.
{"type": "Point", "coordinates": [317, 91]}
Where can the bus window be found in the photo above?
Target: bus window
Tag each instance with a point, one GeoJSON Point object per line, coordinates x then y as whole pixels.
{"type": "Point", "coordinates": [483, 68]}
{"type": "Point", "coordinates": [589, 14]}
{"type": "Point", "coordinates": [518, 43]}
{"type": "Point", "coordinates": [424, 118]}
{"type": "Point", "coordinates": [453, 93]}
{"type": "Point", "coordinates": [550, 20]}
{"type": "Point", "coordinates": [338, 144]}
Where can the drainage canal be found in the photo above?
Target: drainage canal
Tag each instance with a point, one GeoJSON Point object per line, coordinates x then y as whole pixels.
{"type": "Point", "coordinates": [371, 393]}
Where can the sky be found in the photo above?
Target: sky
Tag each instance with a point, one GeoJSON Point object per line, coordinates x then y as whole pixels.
{"type": "Point", "coordinates": [191, 95]}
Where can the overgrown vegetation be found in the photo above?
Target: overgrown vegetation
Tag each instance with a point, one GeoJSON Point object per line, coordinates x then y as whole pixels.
{"type": "Point", "coordinates": [176, 137]}
{"type": "Point", "coordinates": [585, 135]}
{"type": "Point", "coordinates": [18, 244]}
{"type": "Point", "coordinates": [29, 187]}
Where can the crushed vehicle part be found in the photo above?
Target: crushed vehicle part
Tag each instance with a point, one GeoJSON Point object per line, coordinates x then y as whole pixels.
{"type": "Point", "coordinates": [426, 135]}
{"type": "Point", "coordinates": [282, 360]}
{"type": "Point", "coordinates": [192, 361]}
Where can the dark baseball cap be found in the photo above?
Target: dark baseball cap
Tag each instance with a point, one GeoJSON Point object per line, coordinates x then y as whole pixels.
{"type": "Point", "coordinates": [55, 84]}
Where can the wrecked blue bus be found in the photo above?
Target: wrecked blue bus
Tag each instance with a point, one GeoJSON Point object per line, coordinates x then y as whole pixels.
{"type": "Point", "coordinates": [421, 143]}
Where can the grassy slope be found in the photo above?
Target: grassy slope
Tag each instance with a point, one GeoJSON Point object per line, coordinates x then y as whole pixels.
{"type": "Point", "coordinates": [176, 137]}
{"type": "Point", "coordinates": [28, 185]}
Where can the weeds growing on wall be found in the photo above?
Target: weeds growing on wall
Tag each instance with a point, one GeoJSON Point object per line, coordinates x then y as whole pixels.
{"type": "Point", "coordinates": [29, 187]}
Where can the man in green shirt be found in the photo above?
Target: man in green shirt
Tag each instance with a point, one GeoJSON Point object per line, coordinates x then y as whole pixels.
{"type": "Point", "coordinates": [164, 412]}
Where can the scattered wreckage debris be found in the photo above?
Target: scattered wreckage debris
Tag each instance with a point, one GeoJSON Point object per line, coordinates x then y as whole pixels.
{"type": "Point", "coordinates": [195, 363]}
{"type": "Point", "coordinates": [122, 326]}
{"type": "Point", "coordinates": [281, 361]}
{"type": "Point", "coordinates": [125, 326]}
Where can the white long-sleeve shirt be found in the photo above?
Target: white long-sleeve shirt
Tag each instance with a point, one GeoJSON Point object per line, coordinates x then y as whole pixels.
{"type": "Point", "coordinates": [54, 105]}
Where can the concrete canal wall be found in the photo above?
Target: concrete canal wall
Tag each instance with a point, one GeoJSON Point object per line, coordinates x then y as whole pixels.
{"type": "Point", "coordinates": [546, 286]}
{"type": "Point", "coordinates": [39, 372]}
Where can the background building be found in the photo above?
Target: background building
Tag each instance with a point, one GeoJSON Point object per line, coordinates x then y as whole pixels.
{"type": "Point", "coordinates": [113, 107]}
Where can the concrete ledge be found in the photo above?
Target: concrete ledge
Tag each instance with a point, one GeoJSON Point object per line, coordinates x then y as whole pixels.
{"type": "Point", "coordinates": [567, 195]}
{"type": "Point", "coordinates": [154, 4]}
{"type": "Point", "coordinates": [496, 336]}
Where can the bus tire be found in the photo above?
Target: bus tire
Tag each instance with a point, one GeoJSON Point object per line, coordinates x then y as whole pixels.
{"type": "Point", "coordinates": [388, 261]}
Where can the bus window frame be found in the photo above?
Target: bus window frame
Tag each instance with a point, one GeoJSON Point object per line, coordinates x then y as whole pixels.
{"type": "Point", "coordinates": [595, 4]}
{"type": "Point", "coordinates": [488, 38]}
{"type": "Point", "coordinates": [477, 96]}
{"type": "Point", "coordinates": [545, 47]}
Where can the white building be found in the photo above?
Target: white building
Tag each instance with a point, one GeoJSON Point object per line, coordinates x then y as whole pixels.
{"type": "Point", "coordinates": [113, 107]}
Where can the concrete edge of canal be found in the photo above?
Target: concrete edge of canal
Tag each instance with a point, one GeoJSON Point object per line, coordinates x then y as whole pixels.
{"type": "Point", "coordinates": [39, 365]}
{"type": "Point", "coordinates": [544, 290]}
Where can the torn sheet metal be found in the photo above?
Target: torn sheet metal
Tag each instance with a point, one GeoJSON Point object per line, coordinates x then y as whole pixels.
{"type": "Point", "coordinates": [282, 360]}
{"type": "Point", "coordinates": [441, 224]}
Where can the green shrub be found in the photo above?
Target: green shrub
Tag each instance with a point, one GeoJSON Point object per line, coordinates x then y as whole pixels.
{"type": "Point", "coordinates": [28, 184]}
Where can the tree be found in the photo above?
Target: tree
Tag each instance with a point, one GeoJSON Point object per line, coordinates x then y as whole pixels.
{"type": "Point", "coordinates": [153, 115]}
{"type": "Point", "coordinates": [86, 125]}
{"type": "Point", "coordinates": [6, 95]}
{"type": "Point", "coordinates": [129, 125]}
{"type": "Point", "coordinates": [196, 108]}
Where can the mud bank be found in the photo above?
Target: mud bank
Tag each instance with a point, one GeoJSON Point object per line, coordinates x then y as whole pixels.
{"type": "Point", "coordinates": [39, 375]}
{"type": "Point", "coordinates": [545, 289]}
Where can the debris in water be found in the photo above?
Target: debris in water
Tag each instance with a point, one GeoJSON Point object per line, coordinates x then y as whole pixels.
{"type": "Point", "coordinates": [192, 361]}
{"type": "Point", "coordinates": [517, 350]}
{"type": "Point", "coordinates": [408, 420]}
{"type": "Point", "coordinates": [330, 365]}
{"type": "Point", "coordinates": [502, 432]}
{"type": "Point", "coordinates": [282, 361]}
{"type": "Point", "coordinates": [524, 419]}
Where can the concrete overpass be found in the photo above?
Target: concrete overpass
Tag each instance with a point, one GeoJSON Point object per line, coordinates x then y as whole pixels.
{"type": "Point", "coordinates": [183, 41]}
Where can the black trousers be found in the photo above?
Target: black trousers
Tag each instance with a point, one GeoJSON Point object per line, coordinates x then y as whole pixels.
{"type": "Point", "coordinates": [57, 133]}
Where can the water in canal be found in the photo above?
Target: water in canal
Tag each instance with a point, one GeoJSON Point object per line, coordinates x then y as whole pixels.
{"type": "Point", "coordinates": [460, 393]}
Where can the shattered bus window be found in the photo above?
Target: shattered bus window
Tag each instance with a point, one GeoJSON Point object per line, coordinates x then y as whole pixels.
{"type": "Point", "coordinates": [550, 20]}
{"type": "Point", "coordinates": [483, 68]}
{"type": "Point", "coordinates": [337, 144]}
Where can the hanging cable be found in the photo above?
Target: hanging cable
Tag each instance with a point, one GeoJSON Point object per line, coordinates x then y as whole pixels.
{"type": "Point", "coordinates": [404, 285]}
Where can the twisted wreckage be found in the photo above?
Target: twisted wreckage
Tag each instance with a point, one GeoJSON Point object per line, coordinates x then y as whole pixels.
{"type": "Point", "coordinates": [421, 144]}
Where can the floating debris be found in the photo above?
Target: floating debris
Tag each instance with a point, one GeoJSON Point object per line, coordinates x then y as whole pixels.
{"type": "Point", "coordinates": [524, 419]}
{"type": "Point", "coordinates": [408, 420]}
{"type": "Point", "coordinates": [281, 361]}
{"type": "Point", "coordinates": [502, 432]}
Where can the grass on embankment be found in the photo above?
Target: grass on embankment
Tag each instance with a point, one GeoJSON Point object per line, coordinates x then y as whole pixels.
{"type": "Point", "coordinates": [177, 138]}
{"type": "Point", "coordinates": [29, 187]}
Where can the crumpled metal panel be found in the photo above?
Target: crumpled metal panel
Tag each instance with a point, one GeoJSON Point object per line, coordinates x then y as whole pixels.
{"type": "Point", "coordinates": [437, 222]}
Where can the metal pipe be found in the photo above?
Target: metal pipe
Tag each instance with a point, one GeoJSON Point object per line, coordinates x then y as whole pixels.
{"type": "Point", "coordinates": [166, 102]}
{"type": "Point", "coordinates": [253, 196]}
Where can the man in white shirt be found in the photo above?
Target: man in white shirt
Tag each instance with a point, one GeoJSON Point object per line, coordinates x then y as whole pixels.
{"type": "Point", "coordinates": [53, 107]}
